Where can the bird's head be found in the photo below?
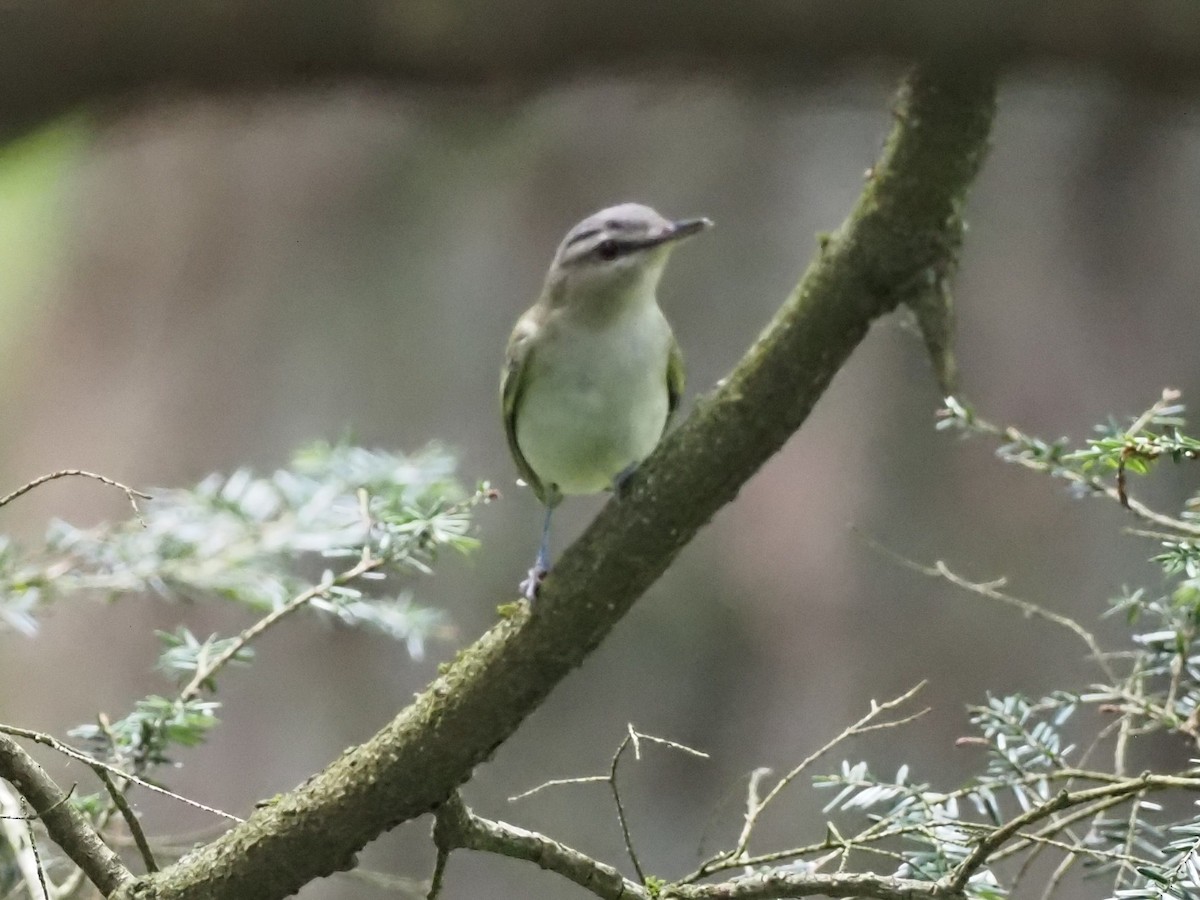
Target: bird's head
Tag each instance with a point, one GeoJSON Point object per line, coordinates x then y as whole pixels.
{"type": "Point", "coordinates": [617, 251]}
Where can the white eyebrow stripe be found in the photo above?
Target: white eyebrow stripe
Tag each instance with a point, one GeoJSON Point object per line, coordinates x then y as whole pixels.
{"type": "Point", "coordinates": [583, 235]}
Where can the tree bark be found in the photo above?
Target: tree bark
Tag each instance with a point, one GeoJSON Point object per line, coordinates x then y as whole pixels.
{"type": "Point", "coordinates": [899, 242]}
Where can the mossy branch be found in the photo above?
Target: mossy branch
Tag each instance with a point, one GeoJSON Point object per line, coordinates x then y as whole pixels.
{"type": "Point", "coordinates": [906, 224]}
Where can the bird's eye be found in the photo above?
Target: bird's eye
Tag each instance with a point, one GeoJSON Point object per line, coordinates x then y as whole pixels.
{"type": "Point", "coordinates": [607, 250]}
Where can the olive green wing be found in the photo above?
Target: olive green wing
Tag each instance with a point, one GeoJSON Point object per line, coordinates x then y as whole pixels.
{"type": "Point", "coordinates": [512, 382]}
{"type": "Point", "coordinates": [675, 378]}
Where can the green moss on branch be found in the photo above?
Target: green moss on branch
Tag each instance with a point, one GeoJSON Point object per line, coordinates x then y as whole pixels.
{"type": "Point", "coordinates": [905, 226]}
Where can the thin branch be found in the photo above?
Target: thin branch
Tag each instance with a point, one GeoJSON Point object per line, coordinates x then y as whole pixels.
{"type": "Point", "coordinates": [633, 738]}
{"type": "Point", "coordinates": [1130, 837]}
{"type": "Point", "coordinates": [593, 779]}
{"type": "Point", "coordinates": [456, 827]}
{"type": "Point", "coordinates": [874, 833]}
{"type": "Point", "coordinates": [780, 884]}
{"type": "Point", "coordinates": [753, 806]}
{"type": "Point", "coordinates": [37, 859]}
{"type": "Point", "coordinates": [1169, 397]}
{"type": "Point", "coordinates": [67, 750]}
{"type": "Point", "coordinates": [990, 590]}
{"type": "Point", "coordinates": [558, 782]}
{"type": "Point", "coordinates": [65, 824]}
{"type": "Point", "coordinates": [672, 745]}
{"type": "Point", "coordinates": [862, 726]}
{"type": "Point", "coordinates": [131, 819]}
{"type": "Point", "coordinates": [866, 724]}
{"type": "Point", "coordinates": [209, 668]}
{"type": "Point", "coordinates": [130, 494]}
{"type": "Point", "coordinates": [1063, 800]}
{"type": "Point", "coordinates": [27, 816]}
{"type": "Point", "coordinates": [1059, 873]}
{"type": "Point", "coordinates": [1078, 848]}
{"type": "Point", "coordinates": [15, 835]}
{"type": "Point", "coordinates": [1087, 811]}
{"type": "Point", "coordinates": [1092, 483]}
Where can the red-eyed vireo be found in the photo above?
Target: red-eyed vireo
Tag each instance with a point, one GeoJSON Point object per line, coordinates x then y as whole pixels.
{"type": "Point", "coordinates": [592, 372]}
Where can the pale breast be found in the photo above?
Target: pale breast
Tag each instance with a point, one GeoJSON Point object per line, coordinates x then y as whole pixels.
{"type": "Point", "coordinates": [595, 402]}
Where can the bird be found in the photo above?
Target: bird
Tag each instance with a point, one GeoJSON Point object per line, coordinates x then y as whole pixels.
{"type": "Point", "coordinates": [592, 372]}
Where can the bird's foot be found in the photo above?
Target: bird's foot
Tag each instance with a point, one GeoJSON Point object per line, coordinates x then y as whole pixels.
{"type": "Point", "coordinates": [620, 484]}
{"type": "Point", "coordinates": [533, 582]}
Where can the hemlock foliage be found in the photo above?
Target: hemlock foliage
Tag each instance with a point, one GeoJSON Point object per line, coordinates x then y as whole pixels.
{"type": "Point", "coordinates": [340, 519]}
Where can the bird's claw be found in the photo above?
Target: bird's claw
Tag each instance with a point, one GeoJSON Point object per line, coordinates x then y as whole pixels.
{"type": "Point", "coordinates": [620, 485]}
{"type": "Point", "coordinates": [533, 582]}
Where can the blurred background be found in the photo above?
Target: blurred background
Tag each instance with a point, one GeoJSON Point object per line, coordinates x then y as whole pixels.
{"type": "Point", "coordinates": [195, 286]}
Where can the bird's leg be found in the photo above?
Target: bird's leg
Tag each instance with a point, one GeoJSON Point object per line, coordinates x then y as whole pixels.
{"type": "Point", "coordinates": [533, 581]}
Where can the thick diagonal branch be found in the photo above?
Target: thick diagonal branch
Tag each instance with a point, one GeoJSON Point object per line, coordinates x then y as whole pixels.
{"type": "Point", "coordinates": [906, 224]}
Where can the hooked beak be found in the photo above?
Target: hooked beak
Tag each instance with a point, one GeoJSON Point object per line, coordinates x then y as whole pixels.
{"type": "Point", "coordinates": [675, 231]}
{"type": "Point", "coordinates": [684, 228]}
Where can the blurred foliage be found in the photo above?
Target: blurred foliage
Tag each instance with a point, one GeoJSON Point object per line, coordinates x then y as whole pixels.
{"type": "Point", "coordinates": [309, 535]}
{"type": "Point", "coordinates": [31, 171]}
{"type": "Point", "coordinates": [1039, 792]}
{"type": "Point", "coordinates": [260, 542]}
{"type": "Point", "coordinates": [267, 544]}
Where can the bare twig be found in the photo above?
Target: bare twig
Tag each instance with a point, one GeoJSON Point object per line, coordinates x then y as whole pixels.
{"type": "Point", "coordinates": [28, 816]}
{"type": "Point", "coordinates": [1169, 396]}
{"type": "Point", "coordinates": [204, 672]}
{"type": "Point", "coordinates": [37, 858]}
{"type": "Point", "coordinates": [456, 827]}
{"type": "Point", "coordinates": [663, 742]}
{"type": "Point", "coordinates": [12, 831]}
{"type": "Point", "coordinates": [630, 737]}
{"type": "Point", "coordinates": [1063, 800]}
{"type": "Point", "coordinates": [131, 494]}
{"type": "Point", "coordinates": [1060, 872]}
{"type": "Point", "coordinates": [558, 782]}
{"type": "Point", "coordinates": [866, 724]}
{"type": "Point", "coordinates": [1091, 483]}
{"type": "Point", "coordinates": [783, 883]}
{"type": "Point", "coordinates": [131, 819]}
{"type": "Point", "coordinates": [753, 805]}
{"type": "Point", "coordinates": [67, 750]}
{"type": "Point", "coordinates": [990, 590]}
{"type": "Point", "coordinates": [876, 832]}
{"type": "Point", "coordinates": [1060, 823]}
{"type": "Point", "coordinates": [633, 738]}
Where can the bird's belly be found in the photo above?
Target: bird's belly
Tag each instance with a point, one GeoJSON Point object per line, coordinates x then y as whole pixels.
{"type": "Point", "coordinates": [579, 431]}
